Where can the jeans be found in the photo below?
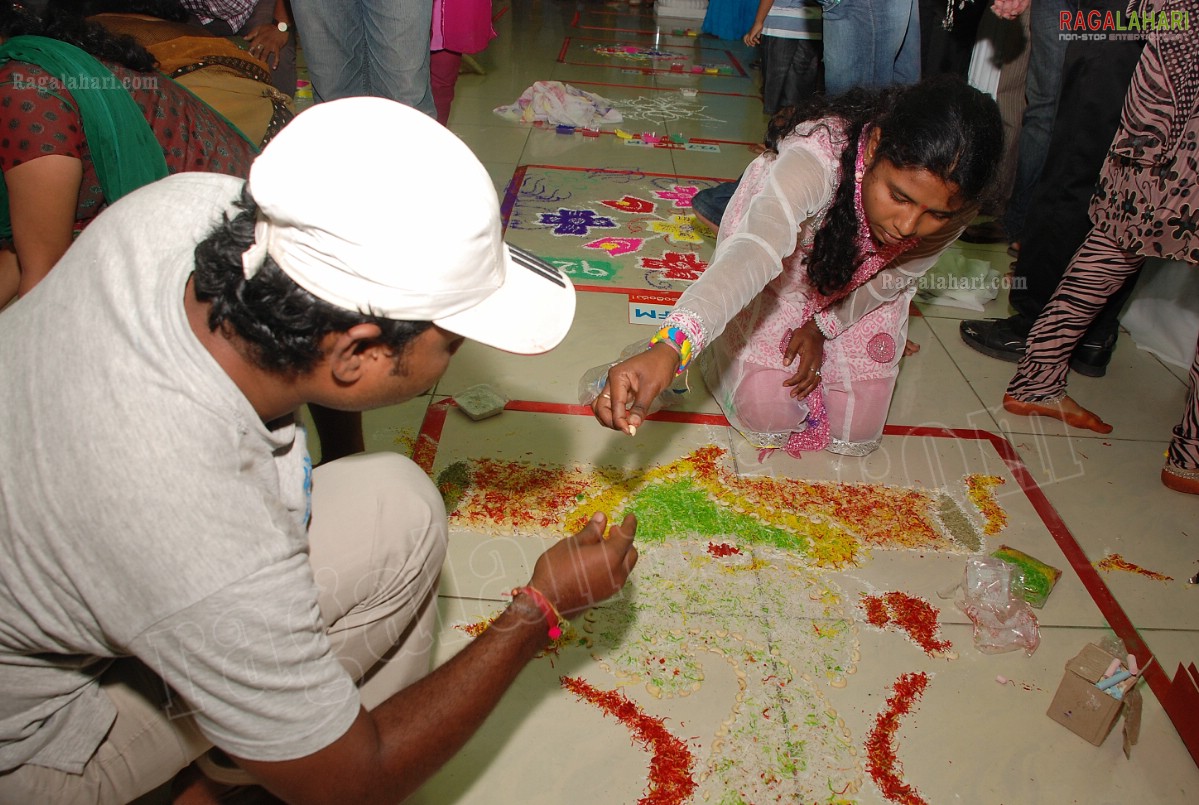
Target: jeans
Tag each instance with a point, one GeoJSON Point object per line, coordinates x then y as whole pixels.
{"type": "Point", "coordinates": [1094, 80]}
{"type": "Point", "coordinates": [870, 43]}
{"type": "Point", "coordinates": [790, 72]}
{"type": "Point", "coordinates": [368, 47]}
{"type": "Point", "coordinates": [1047, 51]}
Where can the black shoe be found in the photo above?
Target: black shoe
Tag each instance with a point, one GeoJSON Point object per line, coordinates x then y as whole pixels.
{"type": "Point", "coordinates": [995, 338]}
{"type": "Point", "coordinates": [1091, 360]}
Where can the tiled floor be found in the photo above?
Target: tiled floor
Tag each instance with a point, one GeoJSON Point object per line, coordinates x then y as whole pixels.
{"type": "Point", "coordinates": [969, 739]}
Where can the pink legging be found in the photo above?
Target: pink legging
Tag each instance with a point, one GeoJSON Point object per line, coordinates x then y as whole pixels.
{"type": "Point", "coordinates": [444, 66]}
{"type": "Point", "coordinates": [856, 413]}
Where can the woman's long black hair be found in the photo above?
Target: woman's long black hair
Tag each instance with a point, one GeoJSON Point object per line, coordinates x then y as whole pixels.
{"type": "Point", "coordinates": [64, 21]}
{"type": "Point", "coordinates": [941, 125]}
{"type": "Point", "coordinates": [282, 323]}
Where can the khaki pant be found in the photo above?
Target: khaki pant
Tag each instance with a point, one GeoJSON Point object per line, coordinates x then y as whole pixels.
{"type": "Point", "coordinates": [378, 539]}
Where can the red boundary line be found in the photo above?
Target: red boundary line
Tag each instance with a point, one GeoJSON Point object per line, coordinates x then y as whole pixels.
{"type": "Point", "coordinates": [502, 12]}
{"type": "Point", "coordinates": [434, 423]}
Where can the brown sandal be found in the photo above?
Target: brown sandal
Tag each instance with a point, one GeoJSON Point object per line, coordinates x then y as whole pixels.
{"type": "Point", "coordinates": [1180, 480]}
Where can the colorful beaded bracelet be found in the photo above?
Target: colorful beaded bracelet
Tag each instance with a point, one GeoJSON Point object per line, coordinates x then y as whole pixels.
{"type": "Point", "coordinates": [681, 343]}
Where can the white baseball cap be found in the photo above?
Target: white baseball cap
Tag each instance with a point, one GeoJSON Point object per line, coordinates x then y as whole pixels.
{"type": "Point", "coordinates": [373, 206]}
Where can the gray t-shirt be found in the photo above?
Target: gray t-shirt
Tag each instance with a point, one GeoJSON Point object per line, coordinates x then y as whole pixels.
{"type": "Point", "coordinates": [146, 510]}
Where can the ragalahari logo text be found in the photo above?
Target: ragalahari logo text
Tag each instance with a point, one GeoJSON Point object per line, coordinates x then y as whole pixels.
{"type": "Point", "coordinates": [1113, 25]}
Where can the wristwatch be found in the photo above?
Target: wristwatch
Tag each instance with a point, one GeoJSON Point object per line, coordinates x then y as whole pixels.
{"type": "Point", "coordinates": [282, 26]}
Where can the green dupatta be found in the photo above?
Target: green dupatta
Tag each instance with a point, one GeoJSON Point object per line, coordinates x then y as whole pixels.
{"type": "Point", "coordinates": [122, 145]}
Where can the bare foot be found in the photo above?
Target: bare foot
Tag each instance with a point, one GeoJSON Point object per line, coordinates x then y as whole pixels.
{"type": "Point", "coordinates": [910, 348]}
{"type": "Point", "coordinates": [1065, 410]}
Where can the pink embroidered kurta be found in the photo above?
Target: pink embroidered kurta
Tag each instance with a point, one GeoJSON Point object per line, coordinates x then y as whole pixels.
{"type": "Point", "coordinates": [756, 291]}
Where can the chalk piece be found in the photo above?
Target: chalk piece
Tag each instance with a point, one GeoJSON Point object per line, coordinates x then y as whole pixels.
{"type": "Point", "coordinates": [624, 135]}
{"type": "Point", "coordinates": [632, 430]}
{"type": "Point", "coordinates": [564, 129]}
{"type": "Point", "coordinates": [480, 402]}
{"type": "Point", "coordinates": [590, 132]}
{"type": "Point", "coordinates": [688, 92]}
{"type": "Point", "coordinates": [1002, 680]}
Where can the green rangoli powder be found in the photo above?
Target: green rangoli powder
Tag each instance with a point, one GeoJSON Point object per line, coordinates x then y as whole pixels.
{"type": "Point", "coordinates": [679, 509]}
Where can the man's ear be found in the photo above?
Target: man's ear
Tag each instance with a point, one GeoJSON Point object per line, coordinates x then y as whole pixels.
{"type": "Point", "coordinates": [351, 351]}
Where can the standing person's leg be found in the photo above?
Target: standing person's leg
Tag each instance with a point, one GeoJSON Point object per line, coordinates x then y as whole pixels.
{"type": "Point", "coordinates": [849, 44]}
{"type": "Point", "coordinates": [777, 53]}
{"type": "Point", "coordinates": [1095, 79]}
{"type": "Point", "coordinates": [903, 33]}
{"type": "Point", "coordinates": [397, 34]}
{"type": "Point", "coordinates": [334, 47]}
{"type": "Point", "coordinates": [283, 76]}
{"type": "Point", "coordinates": [1098, 271]}
{"type": "Point", "coordinates": [444, 66]}
{"type": "Point", "coordinates": [1181, 472]}
{"type": "Point", "coordinates": [1047, 53]}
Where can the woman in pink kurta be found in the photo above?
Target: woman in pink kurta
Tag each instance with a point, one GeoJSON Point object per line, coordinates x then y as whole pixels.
{"type": "Point", "coordinates": [800, 318]}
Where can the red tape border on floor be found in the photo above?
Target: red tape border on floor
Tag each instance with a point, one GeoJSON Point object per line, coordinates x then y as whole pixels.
{"type": "Point", "coordinates": [1179, 698]}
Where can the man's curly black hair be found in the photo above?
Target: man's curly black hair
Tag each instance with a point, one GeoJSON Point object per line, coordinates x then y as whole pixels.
{"type": "Point", "coordinates": [282, 324]}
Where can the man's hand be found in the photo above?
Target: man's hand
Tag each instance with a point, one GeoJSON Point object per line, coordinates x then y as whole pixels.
{"type": "Point", "coordinates": [633, 385]}
{"type": "Point", "coordinates": [265, 43]}
{"type": "Point", "coordinates": [1009, 9]}
{"type": "Point", "coordinates": [579, 572]}
{"type": "Point", "coordinates": [807, 343]}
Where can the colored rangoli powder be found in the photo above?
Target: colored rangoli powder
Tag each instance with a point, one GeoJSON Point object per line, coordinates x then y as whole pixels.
{"type": "Point", "coordinates": [1037, 578]}
{"type": "Point", "coordinates": [670, 769]}
{"type": "Point", "coordinates": [1117, 562]}
{"type": "Point", "coordinates": [917, 618]}
{"type": "Point", "coordinates": [681, 509]}
{"type": "Point", "coordinates": [981, 491]}
{"type": "Point", "coordinates": [882, 761]}
{"type": "Point", "coordinates": [722, 549]}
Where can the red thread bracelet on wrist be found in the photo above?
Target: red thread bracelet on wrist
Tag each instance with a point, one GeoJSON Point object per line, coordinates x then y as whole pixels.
{"type": "Point", "coordinates": [552, 619]}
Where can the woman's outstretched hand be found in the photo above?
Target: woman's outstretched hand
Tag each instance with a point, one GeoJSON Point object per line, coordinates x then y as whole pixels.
{"type": "Point", "coordinates": [806, 343]}
{"type": "Point", "coordinates": [633, 385]}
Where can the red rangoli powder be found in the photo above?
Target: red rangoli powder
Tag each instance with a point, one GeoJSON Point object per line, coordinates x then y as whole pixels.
{"type": "Point", "coordinates": [914, 616]}
{"type": "Point", "coordinates": [670, 780]}
{"type": "Point", "coordinates": [722, 549]}
{"type": "Point", "coordinates": [882, 761]}
{"type": "Point", "coordinates": [1117, 562]}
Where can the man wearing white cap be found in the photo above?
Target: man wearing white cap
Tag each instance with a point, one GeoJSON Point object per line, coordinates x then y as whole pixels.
{"type": "Point", "coordinates": [173, 574]}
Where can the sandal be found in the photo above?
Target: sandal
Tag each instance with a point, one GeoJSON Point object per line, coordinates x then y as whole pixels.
{"type": "Point", "coordinates": [1180, 480]}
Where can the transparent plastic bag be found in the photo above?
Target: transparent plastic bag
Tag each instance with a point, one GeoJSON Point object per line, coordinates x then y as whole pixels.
{"type": "Point", "coordinates": [993, 600]}
{"type": "Point", "coordinates": [593, 381]}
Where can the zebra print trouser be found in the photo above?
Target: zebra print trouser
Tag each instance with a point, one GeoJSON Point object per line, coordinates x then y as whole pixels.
{"type": "Point", "coordinates": [1097, 271]}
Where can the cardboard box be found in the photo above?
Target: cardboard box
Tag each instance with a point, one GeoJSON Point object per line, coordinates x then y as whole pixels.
{"type": "Point", "coordinates": [1085, 710]}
